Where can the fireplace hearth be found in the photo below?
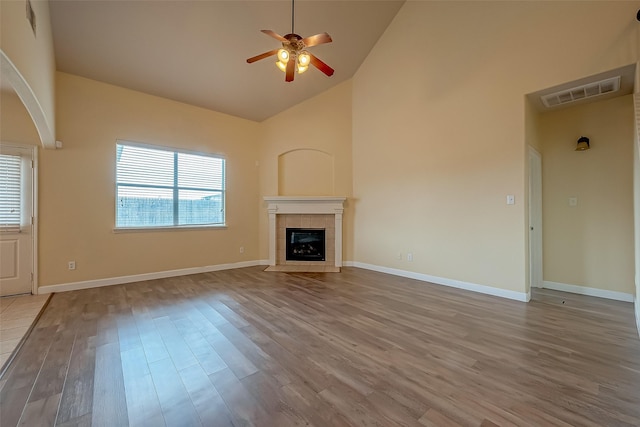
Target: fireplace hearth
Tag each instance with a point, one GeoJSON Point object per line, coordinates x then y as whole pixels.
{"type": "Point", "coordinates": [305, 244]}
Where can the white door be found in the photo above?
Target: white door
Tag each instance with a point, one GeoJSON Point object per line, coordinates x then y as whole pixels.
{"type": "Point", "coordinates": [16, 219]}
{"type": "Point", "coordinates": [535, 218]}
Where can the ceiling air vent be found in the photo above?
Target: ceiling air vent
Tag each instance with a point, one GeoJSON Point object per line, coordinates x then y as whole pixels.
{"type": "Point", "coordinates": [581, 92]}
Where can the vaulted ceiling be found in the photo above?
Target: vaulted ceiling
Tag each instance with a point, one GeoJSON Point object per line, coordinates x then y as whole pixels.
{"type": "Point", "coordinates": [195, 51]}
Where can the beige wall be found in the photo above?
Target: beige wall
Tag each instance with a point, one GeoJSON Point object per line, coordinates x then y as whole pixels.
{"type": "Point", "coordinates": [318, 128]}
{"type": "Point", "coordinates": [306, 172]}
{"type": "Point", "coordinates": [443, 117]}
{"type": "Point", "coordinates": [590, 244]}
{"type": "Point", "coordinates": [15, 123]}
{"type": "Point", "coordinates": [77, 185]}
{"type": "Point", "coordinates": [33, 57]}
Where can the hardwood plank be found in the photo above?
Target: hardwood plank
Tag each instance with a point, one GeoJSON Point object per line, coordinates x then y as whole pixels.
{"type": "Point", "coordinates": [433, 418]}
{"type": "Point", "coordinates": [54, 368]}
{"type": "Point", "coordinates": [267, 393]}
{"type": "Point", "coordinates": [109, 402]}
{"type": "Point", "coordinates": [81, 421]}
{"type": "Point", "coordinates": [176, 404]}
{"type": "Point", "coordinates": [205, 398]}
{"type": "Point", "coordinates": [248, 348]}
{"type": "Point", "coordinates": [206, 356]}
{"type": "Point", "coordinates": [232, 357]}
{"type": "Point", "coordinates": [154, 347]}
{"type": "Point", "coordinates": [143, 407]}
{"type": "Point", "coordinates": [306, 401]}
{"type": "Point", "coordinates": [22, 374]}
{"type": "Point", "coordinates": [41, 412]}
{"type": "Point", "coordinates": [77, 394]}
{"type": "Point", "coordinates": [243, 408]}
{"type": "Point", "coordinates": [174, 343]}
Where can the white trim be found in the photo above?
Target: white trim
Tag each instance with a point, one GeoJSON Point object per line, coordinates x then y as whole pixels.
{"type": "Point", "coordinates": [296, 200]}
{"type": "Point", "coordinates": [87, 284]}
{"type": "Point", "coordinates": [534, 232]}
{"type": "Point", "coordinates": [483, 289]}
{"type": "Point", "coordinates": [585, 290]}
{"type": "Point", "coordinates": [34, 226]}
{"type": "Point", "coordinates": [11, 74]}
{"type": "Point", "coordinates": [190, 227]}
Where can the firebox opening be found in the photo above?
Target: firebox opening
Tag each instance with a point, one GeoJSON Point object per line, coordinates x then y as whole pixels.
{"type": "Point", "coordinates": [305, 244]}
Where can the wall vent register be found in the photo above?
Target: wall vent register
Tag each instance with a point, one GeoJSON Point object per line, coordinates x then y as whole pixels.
{"type": "Point", "coordinates": [578, 93]}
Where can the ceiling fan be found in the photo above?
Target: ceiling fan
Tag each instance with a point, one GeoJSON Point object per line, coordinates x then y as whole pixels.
{"type": "Point", "coordinates": [293, 57]}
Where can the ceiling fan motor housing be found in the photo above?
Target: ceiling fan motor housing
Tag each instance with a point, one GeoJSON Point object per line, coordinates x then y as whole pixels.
{"type": "Point", "coordinates": [294, 43]}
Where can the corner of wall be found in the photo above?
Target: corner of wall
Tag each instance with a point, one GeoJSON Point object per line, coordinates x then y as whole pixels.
{"type": "Point", "coordinates": [636, 190]}
{"type": "Point", "coordinates": [636, 193]}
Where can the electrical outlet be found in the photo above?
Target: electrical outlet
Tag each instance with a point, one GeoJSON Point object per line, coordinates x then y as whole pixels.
{"type": "Point", "coordinates": [410, 257]}
{"type": "Point", "coordinates": [399, 256]}
{"type": "Point", "coordinates": [241, 249]}
{"type": "Point", "coordinates": [72, 265]}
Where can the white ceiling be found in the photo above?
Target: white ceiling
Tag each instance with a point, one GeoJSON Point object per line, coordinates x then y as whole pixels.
{"type": "Point", "coordinates": [195, 51]}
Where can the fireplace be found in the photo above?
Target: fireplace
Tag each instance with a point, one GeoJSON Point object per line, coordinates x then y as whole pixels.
{"type": "Point", "coordinates": [305, 244]}
{"type": "Point", "coordinates": [307, 214]}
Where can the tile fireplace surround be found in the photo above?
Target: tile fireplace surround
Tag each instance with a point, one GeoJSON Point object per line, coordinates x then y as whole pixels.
{"type": "Point", "coordinates": [310, 212]}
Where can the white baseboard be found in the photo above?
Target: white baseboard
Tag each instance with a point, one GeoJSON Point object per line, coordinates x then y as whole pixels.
{"type": "Point", "coordinates": [489, 290]}
{"type": "Point", "coordinates": [585, 290]}
{"type": "Point", "coordinates": [74, 286]}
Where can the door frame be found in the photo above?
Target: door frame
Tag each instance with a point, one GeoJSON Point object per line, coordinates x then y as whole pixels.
{"type": "Point", "coordinates": [33, 151]}
{"type": "Point", "coordinates": [535, 218]}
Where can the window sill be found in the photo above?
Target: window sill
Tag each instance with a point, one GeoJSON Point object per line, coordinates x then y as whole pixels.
{"type": "Point", "coordinates": [169, 228]}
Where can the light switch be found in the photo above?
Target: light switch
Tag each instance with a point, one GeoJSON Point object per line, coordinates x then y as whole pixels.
{"type": "Point", "coordinates": [511, 199]}
{"type": "Point", "coordinates": [573, 201]}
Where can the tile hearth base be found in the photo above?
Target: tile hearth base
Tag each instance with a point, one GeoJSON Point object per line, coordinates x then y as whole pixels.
{"type": "Point", "coordinates": [304, 268]}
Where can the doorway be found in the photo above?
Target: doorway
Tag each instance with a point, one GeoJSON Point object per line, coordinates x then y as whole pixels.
{"type": "Point", "coordinates": [17, 228]}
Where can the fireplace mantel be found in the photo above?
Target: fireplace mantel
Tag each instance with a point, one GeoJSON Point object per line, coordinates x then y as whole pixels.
{"type": "Point", "coordinates": [305, 205]}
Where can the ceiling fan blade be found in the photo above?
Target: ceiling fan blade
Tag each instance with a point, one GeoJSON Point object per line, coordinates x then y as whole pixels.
{"type": "Point", "coordinates": [316, 62]}
{"type": "Point", "coordinates": [262, 56]}
{"type": "Point", "coordinates": [291, 68]}
{"type": "Point", "coordinates": [317, 39]}
{"type": "Point", "coordinates": [274, 35]}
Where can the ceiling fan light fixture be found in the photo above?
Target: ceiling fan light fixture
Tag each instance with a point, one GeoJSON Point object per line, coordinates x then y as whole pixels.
{"type": "Point", "coordinates": [282, 66]}
{"type": "Point", "coordinates": [301, 69]}
{"type": "Point", "coordinates": [283, 55]}
{"type": "Point", "coordinates": [303, 59]}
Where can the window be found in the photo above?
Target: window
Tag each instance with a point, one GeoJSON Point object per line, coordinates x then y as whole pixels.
{"type": "Point", "coordinates": [10, 190]}
{"type": "Point", "coordinates": [160, 187]}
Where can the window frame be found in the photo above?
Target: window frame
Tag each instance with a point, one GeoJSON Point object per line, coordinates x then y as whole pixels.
{"type": "Point", "coordinates": [175, 190]}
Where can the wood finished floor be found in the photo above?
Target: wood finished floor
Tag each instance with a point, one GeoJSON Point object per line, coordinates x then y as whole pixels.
{"type": "Point", "coordinates": [249, 348]}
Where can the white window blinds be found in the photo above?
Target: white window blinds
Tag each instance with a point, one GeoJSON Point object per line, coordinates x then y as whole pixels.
{"type": "Point", "coordinates": [10, 190]}
{"type": "Point", "coordinates": [157, 187]}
